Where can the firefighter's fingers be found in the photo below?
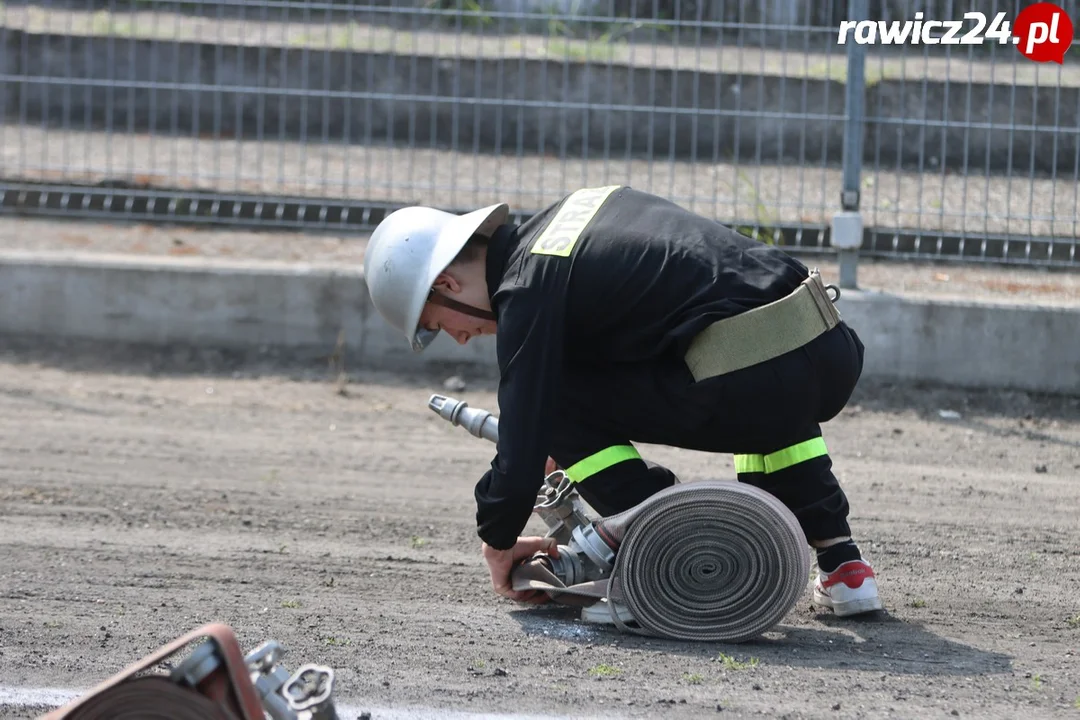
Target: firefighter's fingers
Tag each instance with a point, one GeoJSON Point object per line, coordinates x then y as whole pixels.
{"type": "Point", "coordinates": [528, 546]}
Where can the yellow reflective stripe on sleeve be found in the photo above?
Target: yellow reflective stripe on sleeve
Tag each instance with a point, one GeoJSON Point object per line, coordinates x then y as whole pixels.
{"type": "Point", "coordinates": [601, 461]}
{"type": "Point", "coordinates": [749, 464]}
{"type": "Point", "coordinates": [801, 452]}
{"type": "Point", "coordinates": [565, 228]}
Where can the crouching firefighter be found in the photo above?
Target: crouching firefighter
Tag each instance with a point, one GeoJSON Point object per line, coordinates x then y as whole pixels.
{"type": "Point", "coordinates": [621, 318]}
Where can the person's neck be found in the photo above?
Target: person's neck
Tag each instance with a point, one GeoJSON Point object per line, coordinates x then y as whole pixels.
{"type": "Point", "coordinates": [475, 275]}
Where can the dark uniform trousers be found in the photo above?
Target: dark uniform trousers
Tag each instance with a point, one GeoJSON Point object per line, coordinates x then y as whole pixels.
{"type": "Point", "coordinates": [768, 416]}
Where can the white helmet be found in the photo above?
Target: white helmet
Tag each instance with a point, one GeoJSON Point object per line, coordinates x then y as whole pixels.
{"type": "Point", "coordinates": [408, 250]}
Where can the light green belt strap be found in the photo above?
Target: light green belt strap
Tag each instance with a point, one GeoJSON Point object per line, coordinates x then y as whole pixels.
{"type": "Point", "coordinates": [761, 334]}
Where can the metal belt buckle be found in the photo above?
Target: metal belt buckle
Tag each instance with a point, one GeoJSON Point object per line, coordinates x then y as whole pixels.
{"type": "Point", "coordinates": [815, 276]}
{"type": "Point", "coordinates": [825, 303]}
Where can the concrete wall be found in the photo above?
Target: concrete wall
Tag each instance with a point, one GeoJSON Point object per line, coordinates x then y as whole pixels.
{"type": "Point", "coordinates": [968, 343]}
{"type": "Point", "coordinates": [674, 118]}
{"type": "Point", "coordinates": [191, 301]}
{"type": "Point", "coordinates": [222, 304]}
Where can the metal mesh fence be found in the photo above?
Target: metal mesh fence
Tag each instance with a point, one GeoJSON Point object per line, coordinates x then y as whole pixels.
{"type": "Point", "coordinates": [325, 115]}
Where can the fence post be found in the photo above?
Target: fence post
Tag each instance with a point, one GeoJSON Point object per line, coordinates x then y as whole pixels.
{"type": "Point", "coordinates": [847, 229]}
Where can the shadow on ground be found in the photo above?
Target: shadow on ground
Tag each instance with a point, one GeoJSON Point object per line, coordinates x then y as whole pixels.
{"type": "Point", "coordinates": [877, 643]}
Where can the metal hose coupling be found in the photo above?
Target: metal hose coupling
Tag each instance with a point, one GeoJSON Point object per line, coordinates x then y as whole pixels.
{"type": "Point", "coordinates": [585, 558]}
{"type": "Point", "coordinates": [215, 681]}
{"type": "Point", "coordinates": [306, 694]}
{"type": "Point", "coordinates": [480, 423]}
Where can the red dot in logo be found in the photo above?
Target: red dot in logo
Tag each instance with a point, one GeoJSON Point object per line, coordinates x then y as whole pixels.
{"type": "Point", "coordinates": [1043, 33]}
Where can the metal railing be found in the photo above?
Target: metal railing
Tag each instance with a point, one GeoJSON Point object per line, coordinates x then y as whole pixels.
{"type": "Point", "coordinates": [325, 115]}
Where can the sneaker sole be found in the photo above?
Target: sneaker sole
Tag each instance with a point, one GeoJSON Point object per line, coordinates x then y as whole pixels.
{"type": "Point", "coordinates": [851, 607]}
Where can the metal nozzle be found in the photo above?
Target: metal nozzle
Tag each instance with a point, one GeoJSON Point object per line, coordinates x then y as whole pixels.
{"type": "Point", "coordinates": [558, 504]}
{"type": "Point", "coordinates": [480, 423]}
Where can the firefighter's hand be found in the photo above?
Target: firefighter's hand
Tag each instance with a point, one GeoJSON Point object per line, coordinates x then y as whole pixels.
{"type": "Point", "coordinates": [501, 562]}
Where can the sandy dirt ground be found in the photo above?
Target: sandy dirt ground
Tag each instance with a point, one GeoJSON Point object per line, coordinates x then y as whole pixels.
{"type": "Point", "coordinates": [143, 493]}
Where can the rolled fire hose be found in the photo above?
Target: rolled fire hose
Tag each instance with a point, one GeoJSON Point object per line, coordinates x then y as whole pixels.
{"type": "Point", "coordinates": [150, 698]}
{"type": "Point", "coordinates": [713, 561]}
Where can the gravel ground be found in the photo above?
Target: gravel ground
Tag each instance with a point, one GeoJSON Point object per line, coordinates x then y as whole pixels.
{"type": "Point", "coordinates": [143, 494]}
{"type": "Point", "coordinates": [457, 177]}
{"type": "Point", "coordinates": [939, 280]}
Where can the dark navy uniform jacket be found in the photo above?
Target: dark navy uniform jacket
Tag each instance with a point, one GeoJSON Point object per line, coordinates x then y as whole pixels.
{"type": "Point", "coordinates": [605, 276]}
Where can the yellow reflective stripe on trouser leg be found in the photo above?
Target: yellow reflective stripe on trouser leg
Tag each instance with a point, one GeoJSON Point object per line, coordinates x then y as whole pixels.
{"type": "Point", "coordinates": [798, 453]}
{"type": "Point", "coordinates": [781, 459]}
{"type": "Point", "coordinates": [602, 460]}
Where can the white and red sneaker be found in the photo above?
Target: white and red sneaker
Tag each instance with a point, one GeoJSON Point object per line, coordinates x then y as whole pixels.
{"type": "Point", "coordinates": [850, 589]}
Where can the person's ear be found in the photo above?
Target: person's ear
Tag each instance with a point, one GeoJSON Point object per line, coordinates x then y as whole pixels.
{"type": "Point", "coordinates": [447, 282]}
